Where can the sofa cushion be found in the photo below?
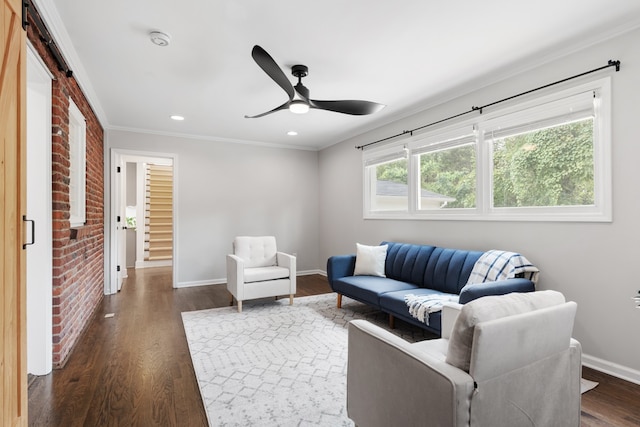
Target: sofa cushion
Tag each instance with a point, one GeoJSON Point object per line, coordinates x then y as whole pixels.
{"type": "Point", "coordinates": [369, 288]}
{"type": "Point", "coordinates": [491, 308]}
{"type": "Point", "coordinates": [259, 274]}
{"type": "Point", "coordinates": [370, 260]}
{"type": "Point", "coordinates": [441, 269]}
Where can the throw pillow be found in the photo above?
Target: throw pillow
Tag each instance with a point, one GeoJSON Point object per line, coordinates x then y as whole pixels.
{"type": "Point", "coordinates": [370, 260]}
{"type": "Point", "coordinates": [491, 308]}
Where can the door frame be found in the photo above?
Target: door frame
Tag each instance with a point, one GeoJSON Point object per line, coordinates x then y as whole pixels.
{"type": "Point", "coordinates": [117, 157]}
{"type": "Point", "coordinates": [39, 269]}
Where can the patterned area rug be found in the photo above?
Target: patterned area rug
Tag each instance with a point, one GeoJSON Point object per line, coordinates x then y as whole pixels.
{"type": "Point", "coordinates": [275, 364]}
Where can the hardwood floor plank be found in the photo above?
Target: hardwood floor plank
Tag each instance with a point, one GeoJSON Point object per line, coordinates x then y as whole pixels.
{"type": "Point", "coordinates": [135, 368]}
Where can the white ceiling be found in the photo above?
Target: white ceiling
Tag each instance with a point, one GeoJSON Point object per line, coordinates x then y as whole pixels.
{"type": "Point", "coordinates": [406, 54]}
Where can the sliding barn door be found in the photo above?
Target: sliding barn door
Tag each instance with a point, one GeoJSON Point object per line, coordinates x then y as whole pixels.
{"type": "Point", "coordinates": [13, 360]}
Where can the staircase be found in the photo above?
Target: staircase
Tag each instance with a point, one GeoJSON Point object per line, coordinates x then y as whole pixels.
{"type": "Point", "coordinates": [158, 239]}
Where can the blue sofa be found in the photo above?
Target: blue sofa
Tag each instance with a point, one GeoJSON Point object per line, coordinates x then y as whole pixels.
{"type": "Point", "coordinates": [416, 269]}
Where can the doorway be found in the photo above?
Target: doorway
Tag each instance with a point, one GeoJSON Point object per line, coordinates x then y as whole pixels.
{"type": "Point", "coordinates": [143, 194]}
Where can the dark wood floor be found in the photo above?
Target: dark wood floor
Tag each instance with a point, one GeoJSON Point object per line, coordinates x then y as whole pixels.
{"type": "Point", "coordinates": [134, 369]}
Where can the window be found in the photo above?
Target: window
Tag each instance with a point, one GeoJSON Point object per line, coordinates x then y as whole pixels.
{"type": "Point", "coordinates": [545, 159]}
{"type": "Point", "coordinates": [387, 183]}
{"type": "Point", "coordinates": [448, 174]}
{"type": "Point", "coordinates": [545, 167]}
{"type": "Point", "coordinates": [77, 165]}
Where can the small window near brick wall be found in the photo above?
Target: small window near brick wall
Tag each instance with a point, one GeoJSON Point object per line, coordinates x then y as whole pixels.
{"type": "Point", "coordinates": [78, 167]}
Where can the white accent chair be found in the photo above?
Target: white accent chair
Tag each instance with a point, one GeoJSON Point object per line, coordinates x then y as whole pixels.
{"type": "Point", "coordinates": [257, 270]}
{"type": "Point", "coordinates": [504, 360]}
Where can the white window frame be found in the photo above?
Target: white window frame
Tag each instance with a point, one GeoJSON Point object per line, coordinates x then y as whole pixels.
{"type": "Point", "coordinates": [77, 165]}
{"type": "Point", "coordinates": [529, 110]}
{"type": "Point", "coordinates": [371, 160]}
{"type": "Point", "coordinates": [456, 136]}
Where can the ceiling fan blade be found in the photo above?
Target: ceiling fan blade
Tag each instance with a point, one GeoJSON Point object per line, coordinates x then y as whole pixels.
{"type": "Point", "coordinates": [269, 66]}
{"type": "Point", "coordinates": [282, 107]}
{"type": "Point", "coordinates": [302, 91]}
{"type": "Point", "coordinates": [353, 107]}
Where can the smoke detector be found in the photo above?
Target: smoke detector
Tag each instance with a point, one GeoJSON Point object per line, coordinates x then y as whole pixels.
{"type": "Point", "coordinates": [159, 38]}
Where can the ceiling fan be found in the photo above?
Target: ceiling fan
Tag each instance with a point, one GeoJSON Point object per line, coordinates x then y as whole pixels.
{"type": "Point", "coordinates": [300, 106]}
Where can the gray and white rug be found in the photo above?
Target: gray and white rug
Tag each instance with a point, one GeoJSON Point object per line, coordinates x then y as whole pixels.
{"type": "Point", "coordinates": [275, 364]}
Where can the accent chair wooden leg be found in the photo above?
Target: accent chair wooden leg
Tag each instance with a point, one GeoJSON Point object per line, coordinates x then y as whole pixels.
{"type": "Point", "coordinates": [339, 303]}
{"type": "Point", "coordinates": [231, 301]}
{"type": "Point", "coordinates": [290, 299]}
{"type": "Point", "coordinates": [392, 322]}
{"type": "Point", "coordinates": [239, 306]}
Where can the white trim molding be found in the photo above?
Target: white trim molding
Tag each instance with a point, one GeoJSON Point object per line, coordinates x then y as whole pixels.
{"type": "Point", "coordinates": [618, 371]}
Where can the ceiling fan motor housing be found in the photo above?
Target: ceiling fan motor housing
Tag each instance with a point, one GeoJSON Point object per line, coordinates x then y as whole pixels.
{"type": "Point", "coordinates": [300, 71]}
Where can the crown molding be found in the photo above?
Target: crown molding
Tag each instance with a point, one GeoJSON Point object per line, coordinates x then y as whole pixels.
{"type": "Point", "coordinates": [54, 24]}
{"type": "Point", "coordinates": [210, 138]}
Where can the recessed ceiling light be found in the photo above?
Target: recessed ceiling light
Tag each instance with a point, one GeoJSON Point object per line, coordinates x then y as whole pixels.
{"type": "Point", "coordinates": [292, 133]}
{"type": "Point", "coordinates": [179, 118]}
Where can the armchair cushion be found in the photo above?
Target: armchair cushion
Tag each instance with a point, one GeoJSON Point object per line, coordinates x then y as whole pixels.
{"type": "Point", "coordinates": [491, 308]}
{"type": "Point", "coordinates": [260, 274]}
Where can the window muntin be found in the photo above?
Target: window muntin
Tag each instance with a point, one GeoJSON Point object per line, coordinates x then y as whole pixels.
{"type": "Point", "coordinates": [77, 166]}
{"type": "Point", "coordinates": [578, 189]}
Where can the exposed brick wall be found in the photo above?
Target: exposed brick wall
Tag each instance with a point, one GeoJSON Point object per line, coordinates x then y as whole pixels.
{"type": "Point", "coordinates": [78, 263]}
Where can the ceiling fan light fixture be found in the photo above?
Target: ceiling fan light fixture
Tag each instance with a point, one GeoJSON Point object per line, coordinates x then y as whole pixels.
{"type": "Point", "coordinates": [298, 107]}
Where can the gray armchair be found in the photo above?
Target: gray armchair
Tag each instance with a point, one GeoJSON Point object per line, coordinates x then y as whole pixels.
{"type": "Point", "coordinates": [502, 361]}
{"type": "Point", "coordinates": [257, 270]}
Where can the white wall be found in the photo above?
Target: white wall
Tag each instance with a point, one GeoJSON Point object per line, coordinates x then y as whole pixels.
{"type": "Point", "coordinates": [225, 190]}
{"type": "Point", "coordinates": [591, 263]}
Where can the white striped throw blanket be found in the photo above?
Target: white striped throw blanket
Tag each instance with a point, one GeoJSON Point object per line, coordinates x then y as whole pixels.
{"type": "Point", "coordinates": [500, 265]}
{"type": "Point", "coordinates": [420, 306]}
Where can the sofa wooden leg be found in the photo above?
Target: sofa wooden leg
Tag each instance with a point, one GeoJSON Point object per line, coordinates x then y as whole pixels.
{"type": "Point", "coordinates": [339, 303]}
{"type": "Point", "coordinates": [239, 306]}
{"type": "Point", "coordinates": [392, 322]}
{"type": "Point", "coordinates": [231, 301]}
{"type": "Point", "coordinates": [290, 299]}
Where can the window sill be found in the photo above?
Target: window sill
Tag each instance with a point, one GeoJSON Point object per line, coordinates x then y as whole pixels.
{"type": "Point", "coordinates": [79, 233]}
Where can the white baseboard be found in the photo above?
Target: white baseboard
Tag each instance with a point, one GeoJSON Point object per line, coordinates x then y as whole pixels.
{"type": "Point", "coordinates": [310, 272]}
{"type": "Point", "coordinates": [158, 263]}
{"type": "Point", "coordinates": [619, 371]}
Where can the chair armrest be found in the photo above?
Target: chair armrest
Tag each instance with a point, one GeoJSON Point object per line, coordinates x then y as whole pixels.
{"type": "Point", "coordinates": [500, 287]}
{"type": "Point", "coordinates": [288, 261]}
{"type": "Point", "coordinates": [393, 382]}
{"type": "Point", "coordinates": [450, 313]}
{"type": "Point", "coordinates": [235, 276]}
{"type": "Point", "coordinates": [340, 266]}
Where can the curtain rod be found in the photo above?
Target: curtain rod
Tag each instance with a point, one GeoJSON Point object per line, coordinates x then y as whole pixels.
{"type": "Point", "coordinates": [29, 8]}
{"type": "Point", "coordinates": [611, 63]}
